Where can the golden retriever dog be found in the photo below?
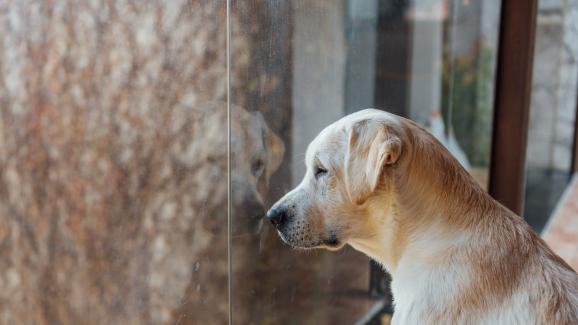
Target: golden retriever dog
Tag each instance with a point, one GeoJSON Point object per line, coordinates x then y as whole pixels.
{"type": "Point", "coordinates": [385, 186]}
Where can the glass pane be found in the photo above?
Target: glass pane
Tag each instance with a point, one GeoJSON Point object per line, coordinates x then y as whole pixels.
{"type": "Point", "coordinates": [450, 89]}
{"type": "Point", "coordinates": [552, 110]}
{"type": "Point", "coordinates": [298, 66]}
{"type": "Point", "coordinates": [292, 81]}
{"type": "Point", "coordinates": [113, 162]}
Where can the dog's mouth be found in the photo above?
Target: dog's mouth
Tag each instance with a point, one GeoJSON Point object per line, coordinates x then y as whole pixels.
{"type": "Point", "coordinates": [333, 244]}
{"type": "Point", "coordinates": [306, 241]}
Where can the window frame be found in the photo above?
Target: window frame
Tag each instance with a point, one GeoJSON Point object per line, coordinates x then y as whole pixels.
{"type": "Point", "coordinates": [512, 102]}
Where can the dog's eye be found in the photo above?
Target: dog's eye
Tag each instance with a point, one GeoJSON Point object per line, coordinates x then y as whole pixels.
{"type": "Point", "coordinates": [257, 167]}
{"type": "Point", "coordinates": [320, 171]}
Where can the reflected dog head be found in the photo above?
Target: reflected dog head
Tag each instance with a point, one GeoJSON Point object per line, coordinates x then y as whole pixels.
{"type": "Point", "coordinates": [349, 164]}
{"type": "Point", "coordinates": [256, 154]}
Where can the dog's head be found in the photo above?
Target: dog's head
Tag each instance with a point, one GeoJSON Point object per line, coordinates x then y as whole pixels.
{"type": "Point", "coordinates": [256, 154]}
{"type": "Point", "coordinates": [349, 164]}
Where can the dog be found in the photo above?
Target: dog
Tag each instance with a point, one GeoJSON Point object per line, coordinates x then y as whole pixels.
{"type": "Point", "coordinates": [383, 185]}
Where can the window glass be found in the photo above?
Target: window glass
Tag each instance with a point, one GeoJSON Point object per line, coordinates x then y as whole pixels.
{"type": "Point", "coordinates": [113, 184]}
{"type": "Point", "coordinates": [552, 110]}
{"type": "Point", "coordinates": [436, 65]}
{"type": "Point", "coordinates": [113, 147]}
{"type": "Point", "coordinates": [452, 69]}
{"type": "Point", "coordinates": [292, 81]}
{"type": "Point", "coordinates": [299, 65]}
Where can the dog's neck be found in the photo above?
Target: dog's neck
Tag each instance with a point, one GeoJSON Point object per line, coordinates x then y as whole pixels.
{"type": "Point", "coordinates": [427, 210]}
{"type": "Point", "coordinates": [413, 240]}
{"type": "Point", "coordinates": [423, 227]}
{"type": "Point", "coordinates": [405, 235]}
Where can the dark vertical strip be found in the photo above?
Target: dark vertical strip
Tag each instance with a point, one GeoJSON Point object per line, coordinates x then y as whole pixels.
{"type": "Point", "coordinates": [393, 57]}
{"type": "Point", "coordinates": [512, 102]}
{"type": "Point", "coordinates": [375, 280]}
{"type": "Point", "coordinates": [379, 283]}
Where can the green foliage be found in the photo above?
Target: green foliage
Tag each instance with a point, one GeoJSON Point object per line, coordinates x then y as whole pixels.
{"type": "Point", "coordinates": [472, 98]}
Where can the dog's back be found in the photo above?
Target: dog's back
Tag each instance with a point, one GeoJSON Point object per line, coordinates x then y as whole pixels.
{"type": "Point", "coordinates": [543, 288]}
{"type": "Point", "coordinates": [548, 290]}
{"type": "Point", "coordinates": [498, 272]}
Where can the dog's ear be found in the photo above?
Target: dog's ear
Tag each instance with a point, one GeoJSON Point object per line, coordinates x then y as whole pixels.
{"type": "Point", "coordinates": [371, 148]}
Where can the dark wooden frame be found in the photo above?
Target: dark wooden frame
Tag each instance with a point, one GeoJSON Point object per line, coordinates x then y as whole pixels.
{"type": "Point", "coordinates": [512, 102]}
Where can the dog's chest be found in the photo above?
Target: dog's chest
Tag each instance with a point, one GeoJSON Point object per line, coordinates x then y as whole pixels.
{"type": "Point", "coordinates": [424, 293]}
{"type": "Point", "coordinates": [436, 297]}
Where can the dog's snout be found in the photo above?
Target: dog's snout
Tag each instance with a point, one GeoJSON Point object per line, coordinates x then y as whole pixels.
{"type": "Point", "coordinates": [277, 215]}
{"type": "Point", "coordinates": [254, 208]}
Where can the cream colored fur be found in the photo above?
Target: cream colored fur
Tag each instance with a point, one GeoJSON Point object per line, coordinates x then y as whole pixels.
{"type": "Point", "coordinates": [385, 186]}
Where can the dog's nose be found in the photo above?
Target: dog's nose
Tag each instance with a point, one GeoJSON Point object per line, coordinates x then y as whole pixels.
{"type": "Point", "coordinates": [277, 215]}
